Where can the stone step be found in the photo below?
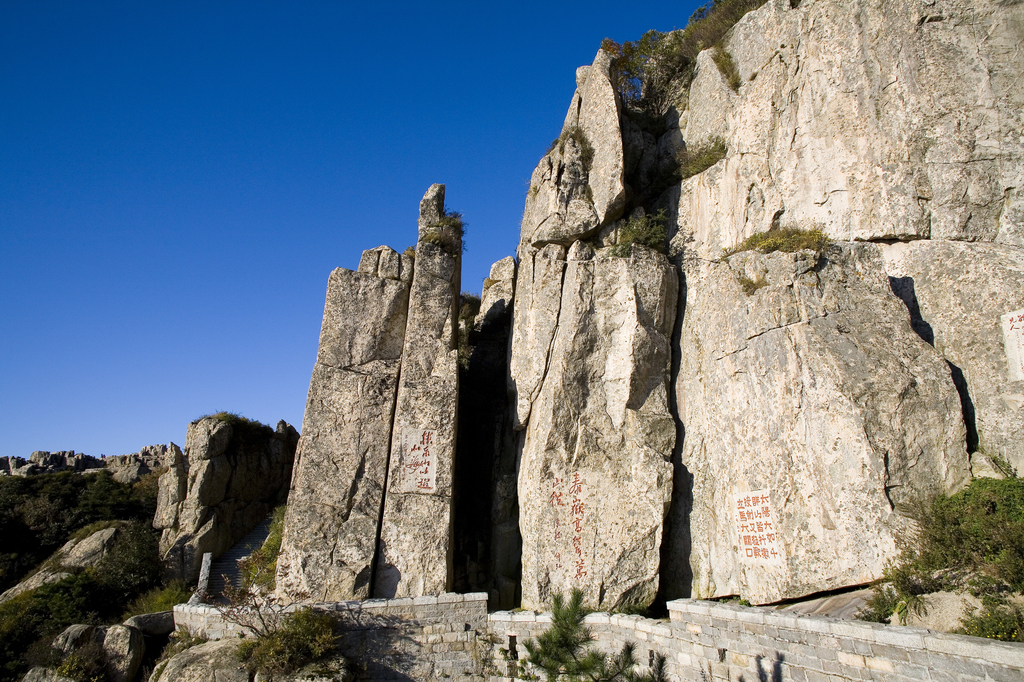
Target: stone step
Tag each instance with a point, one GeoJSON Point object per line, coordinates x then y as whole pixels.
{"type": "Point", "coordinates": [227, 563]}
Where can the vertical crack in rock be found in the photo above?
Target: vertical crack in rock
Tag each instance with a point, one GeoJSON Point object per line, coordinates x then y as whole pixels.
{"type": "Point", "coordinates": [330, 529]}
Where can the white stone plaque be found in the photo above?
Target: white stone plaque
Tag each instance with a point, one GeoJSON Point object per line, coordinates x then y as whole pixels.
{"type": "Point", "coordinates": [756, 538]}
{"type": "Point", "coordinates": [419, 464]}
{"type": "Point", "coordinates": [1013, 342]}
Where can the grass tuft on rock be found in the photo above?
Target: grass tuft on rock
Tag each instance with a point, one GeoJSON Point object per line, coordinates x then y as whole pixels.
{"type": "Point", "coordinates": [647, 231]}
{"type": "Point", "coordinates": [787, 240]}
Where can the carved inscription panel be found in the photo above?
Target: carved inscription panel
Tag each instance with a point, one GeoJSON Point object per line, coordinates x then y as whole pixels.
{"type": "Point", "coordinates": [1013, 340]}
{"type": "Point", "coordinates": [756, 537]}
{"type": "Point", "coordinates": [569, 514]}
{"type": "Point", "coordinates": [419, 463]}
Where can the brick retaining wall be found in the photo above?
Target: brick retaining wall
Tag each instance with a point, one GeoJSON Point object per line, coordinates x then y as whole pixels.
{"type": "Point", "coordinates": [453, 636]}
{"type": "Point", "coordinates": [422, 638]}
{"type": "Point", "coordinates": [704, 640]}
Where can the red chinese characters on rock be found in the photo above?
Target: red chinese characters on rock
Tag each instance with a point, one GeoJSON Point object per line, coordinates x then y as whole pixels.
{"type": "Point", "coordinates": [576, 511]}
{"type": "Point", "coordinates": [1013, 343]}
{"type": "Point", "coordinates": [756, 532]}
{"type": "Point", "coordinates": [419, 463]}
{"type": "Point", "coordinates": [568, 512]}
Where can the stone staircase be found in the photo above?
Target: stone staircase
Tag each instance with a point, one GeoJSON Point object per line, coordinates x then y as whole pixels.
{"type": "Point", "coordinates": [226, 565]}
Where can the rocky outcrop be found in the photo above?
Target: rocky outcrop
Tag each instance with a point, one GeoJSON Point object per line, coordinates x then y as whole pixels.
{"type": "Point", "coordinates": [817, 423]}
{"type": "Point", "coordinates": [415, 552]}
{"type": "Point", "coordinates": [330, 530]}
{"type": "Point", "coordinates": [235, 472]}
{"type": "Point", "coordinates": [579, 186]}
{"type": "Point", "coordinates": [956, 293]}
{"type": "Point", "coordinates": [381, 419]}
{"type": "Point", "coordinates": [121, 649]}
{"type": "Point", "coordinates": [75, 555]}
{"type": "Point", "coordinates": [215, 661]}
{"type": "Point", "coordinates": [895, 121]}
{"type": "Point", "coordinates": [594, 473]}
{"type": "Point", "coordinates": [43, 462]}
{"type": "Point", "coordinates": [130, 468]}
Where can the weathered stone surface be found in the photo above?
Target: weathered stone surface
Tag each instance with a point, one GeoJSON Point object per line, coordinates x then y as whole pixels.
{"type": "Point", "coordinates": [123, 649]}
{"type": "Point", "coordinates": [415, 553]}
{"type": "Point", "coordinates": [73, 555]}
{"type": "Point", "coordinates": [160, 623]}
{"type": "Point", "coordinates": [896, 121]}
{"type": "Point", "coordinates": [710, 102]}
{"type": "Point", "coordinates": [576, 188]}
{"type": "Point", "coordinates": [172, 487]}
{"type": "Point", "coordinates": [538, 300]}
{"type": "Point", "coordinates": [334, 506]}
{"type": "Point", "coordinates": [45, 675]}
{"type": "Point", "coordinates": [815, 390]}
{"type": "Point", "coordinates": [215, 661]}
{"type": "Point", "coordinates": [237, 471]}
{"type": "Point", "coordinates": [498, 290]}
{"type": "Point", "coordinates": [88, 551]}
{"type": "Point", "coordinates": [76, 636]}
{"type": "Point", "coordinates": [594, 474]}
{"type": "Point", "coordinates": [957, 292]}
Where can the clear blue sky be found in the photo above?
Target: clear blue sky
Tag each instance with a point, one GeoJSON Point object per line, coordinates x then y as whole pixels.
{"type": "Point", "coordinates": [178, 179]}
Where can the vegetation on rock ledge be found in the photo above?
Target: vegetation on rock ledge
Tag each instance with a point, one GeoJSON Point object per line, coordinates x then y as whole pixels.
{"type": "Point", "coordinates": [972, 540]}
{"type": "Point", "coordinates": [787, 240]}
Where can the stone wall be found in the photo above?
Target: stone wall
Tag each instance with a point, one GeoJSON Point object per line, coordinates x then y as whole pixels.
{"type": "Point", "coordinates": [707, 641]}
{"type": "Point", "coordinates": [416, 638]}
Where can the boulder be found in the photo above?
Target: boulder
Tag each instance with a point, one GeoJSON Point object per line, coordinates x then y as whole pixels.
{"type": "Point", "coordinates": [236, 471]}
{"type": "Point", "coordinates": [498, 290]}
{"type": "Point", "coordinates": [123, 649]}
{"type": "Point", "coordinates": [330, 530]}
{"type": "Point", "coordinates": [76, 636]}
{"type": "Point", "coordinates": [898, 121]}
{"type": "Point", "coordinates": [215, 661]}
{"type": "Point", "coordinates": [595, 476]}
{"type": "Point", "coordinates": [159, 624]}
{"type": "Point", "coordinates": [817, 423]}
{"type": "Point", "coordinates": [74, 555]}
{"type": "Point", "coordinates": [44, 675]}
{"type": "Point", "coordinates": [415, 549]}
{"type": "Point", "coordinates": [957, 293]}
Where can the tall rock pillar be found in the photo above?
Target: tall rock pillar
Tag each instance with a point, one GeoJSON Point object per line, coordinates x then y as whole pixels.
{"type": "Point", "coordinates": [414, 556]}
{"type": "Point", "coordinates": [337, 490]}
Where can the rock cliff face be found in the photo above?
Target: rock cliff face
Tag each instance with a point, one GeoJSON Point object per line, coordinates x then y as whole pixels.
{"type": "Point", "coordinates": [757, 423]}
{"type": "Point", "coordinates": [380, 422]}
{"type": "Point", "coordinates": [233, 472]}
{"type": "Point", "coordinates": [814, 395]}
{"type": "Point", "coordinates": [894, 120]}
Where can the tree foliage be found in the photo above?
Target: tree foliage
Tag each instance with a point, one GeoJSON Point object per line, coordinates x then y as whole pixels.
{"type": "Point", "coordinates": [563, 652]}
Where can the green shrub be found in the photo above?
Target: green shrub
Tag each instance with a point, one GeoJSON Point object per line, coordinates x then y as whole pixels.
{"type": "Point", "coordinates": [750, 286]}
{"type": "Point", "coordinates": [787, 240]}
{"type": "Point", "coordinates": [727, 67]}
{"type": "Point", "coordinates": [653, 67]}
{"type": "Point", "coordinates": [563, 651]}
{"type": "Point", "coordinates": [973, 539]}
{"type": "Point", "coordinates": [85, 664]}
{"type": "Point", "coordinates": [1002, 622]}
{"type": "Point", "coordinates": [158, 599]}
{"type": "Point", "coordinates": [701, 157]}
{"type": "Point", "coordinates": [302, 637]}
{"type": "Point", "coordinates": [576, 134]}
{"type": "Point", "coordinates": [647, 231]}
{"type": "Point", "coordinates": [448, 233]}
{"type": "Point", "coordinates": [259, 568]}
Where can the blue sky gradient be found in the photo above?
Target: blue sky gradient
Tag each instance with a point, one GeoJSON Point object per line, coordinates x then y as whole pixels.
{"type": "Point", "coordinates": [177, 180]}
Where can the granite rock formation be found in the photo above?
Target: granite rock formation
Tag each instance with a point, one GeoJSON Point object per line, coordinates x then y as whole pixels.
{"type": "Point", "coordinates": [381, 415]}
{"type": "Point", "coordinates": [233, 472]}
{"type": "Point", "coordinates": [330, 531]}
{"type": "Point", "coordinates": [813, 394]}
{"type": "Point", "coordinates": [74, 555]}
{"type": "Point", "coordinates": [590, 369]}
{"type": "Point", "coordinates": [895, 121]}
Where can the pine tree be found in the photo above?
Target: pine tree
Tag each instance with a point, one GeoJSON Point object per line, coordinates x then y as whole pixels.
{"type": "Point", "coordinates": [562, 652]}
